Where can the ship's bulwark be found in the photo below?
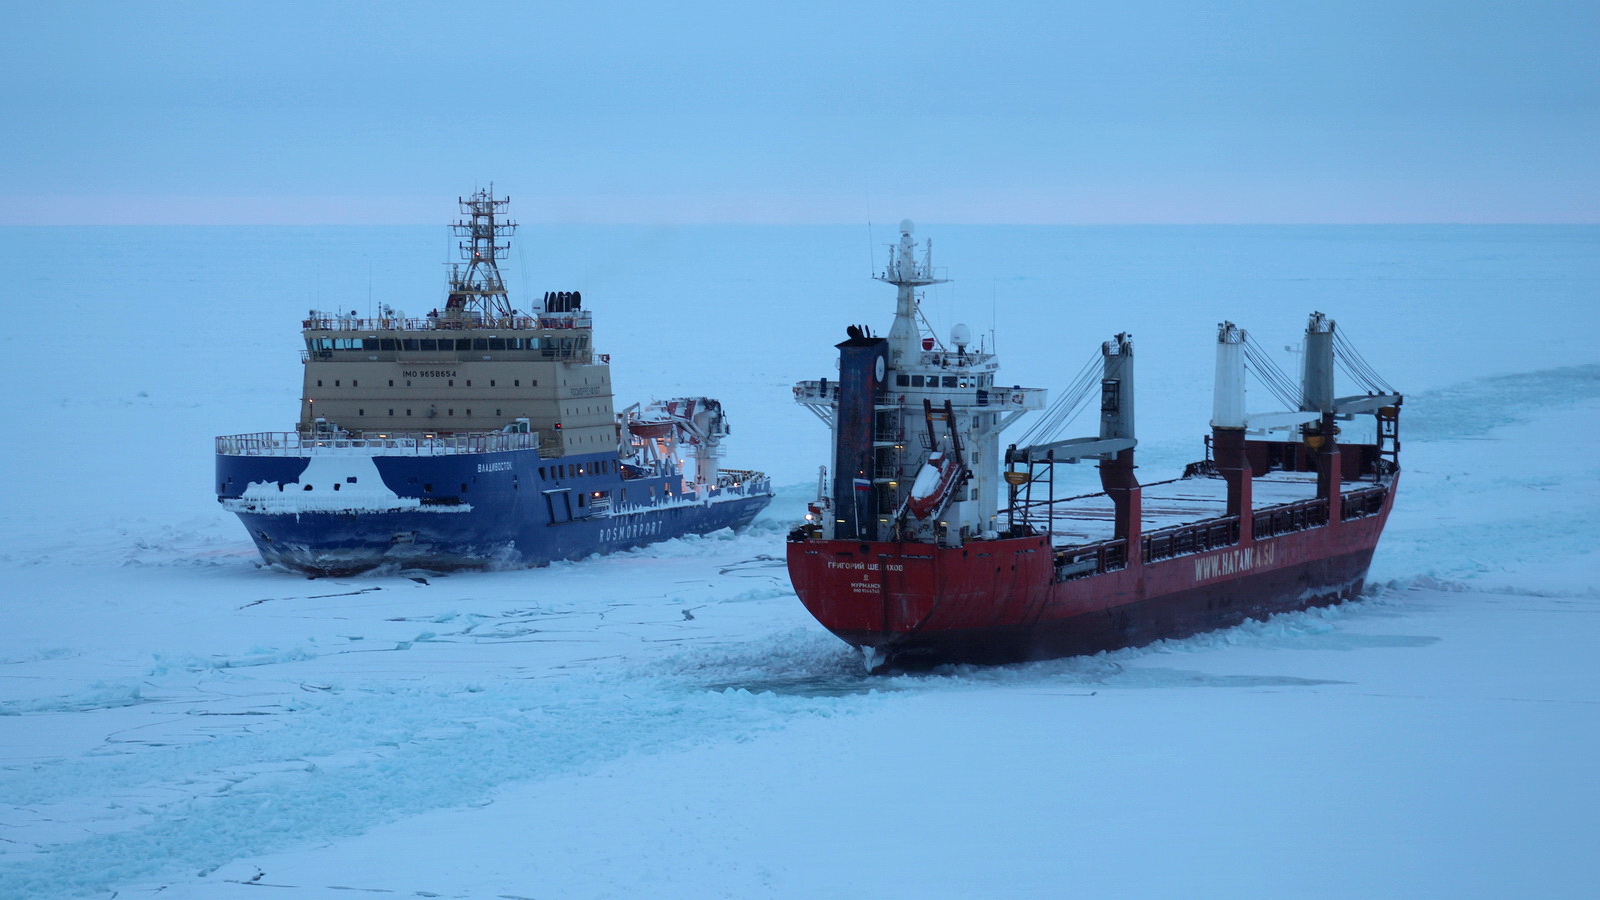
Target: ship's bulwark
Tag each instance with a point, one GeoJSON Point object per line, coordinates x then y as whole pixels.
{"type": "Point", "coordinates": [343, 544]}
{"type": "Point", "coordinates": [997, 601]}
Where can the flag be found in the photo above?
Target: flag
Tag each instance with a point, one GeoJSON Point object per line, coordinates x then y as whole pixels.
{"type": "Point", "coordinates": [863, 485]}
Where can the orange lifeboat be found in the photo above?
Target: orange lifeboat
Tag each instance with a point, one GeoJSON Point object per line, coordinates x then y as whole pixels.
{"type": "Point", "coordinates": [934, 485]}
{"type": "Point", "coordinates": [650, 428]}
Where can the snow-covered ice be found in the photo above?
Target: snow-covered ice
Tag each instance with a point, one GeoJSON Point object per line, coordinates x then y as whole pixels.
{"type": "Point", "coordinates": [178, 722]}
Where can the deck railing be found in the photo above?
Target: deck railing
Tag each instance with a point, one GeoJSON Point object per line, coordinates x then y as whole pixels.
{"type": "Point", "coordinates": [1212, 534]}
{"type": "Point", "coordinates": [1196, 538]}
{"type": "Point", "coordinates": [740, 477]}
{"type": "Point", "coordinates": [290, 443]}
{"type": "Point", "coordinates": [1094, 559]}
{"type": "Point", "coordinates": [1282, 519]}
{"type": "Point", "coordinates": [998, 398]}
{"type": "Point", "coordinates": [438, 323]}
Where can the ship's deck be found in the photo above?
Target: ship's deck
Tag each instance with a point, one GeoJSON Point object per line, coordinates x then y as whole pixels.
{"type": "Point", "coordinates": [1088, 519]}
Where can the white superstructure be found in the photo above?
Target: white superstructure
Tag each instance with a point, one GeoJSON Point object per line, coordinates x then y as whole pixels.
{"type": "Point", "coordinates": [938, 414]}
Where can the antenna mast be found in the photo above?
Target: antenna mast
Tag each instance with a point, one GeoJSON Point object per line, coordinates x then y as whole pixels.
{"type": "Point", "coordinates": [907, 274]}
{"type": "Point", "coordinates": [476, 290]}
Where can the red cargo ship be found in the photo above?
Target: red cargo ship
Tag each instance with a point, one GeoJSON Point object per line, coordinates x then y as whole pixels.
{"type": "Point", "coordinates": [921, 550]}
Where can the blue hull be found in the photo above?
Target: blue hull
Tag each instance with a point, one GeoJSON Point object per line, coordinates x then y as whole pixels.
{"type": "Point", "coordinates": [332, 514]}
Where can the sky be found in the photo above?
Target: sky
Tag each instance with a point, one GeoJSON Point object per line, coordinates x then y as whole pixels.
{"type": "Point", "coordinates": [1151, 111]}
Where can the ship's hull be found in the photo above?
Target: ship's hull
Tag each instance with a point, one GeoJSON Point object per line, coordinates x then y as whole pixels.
{"type": "Point", "coordinates": [1001, 601]}
{"type": "Point", "coordinates": [334, 514]}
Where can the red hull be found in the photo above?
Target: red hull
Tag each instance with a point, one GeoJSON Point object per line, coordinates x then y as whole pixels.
{"type": "Point", "coordinates": [999, 601]}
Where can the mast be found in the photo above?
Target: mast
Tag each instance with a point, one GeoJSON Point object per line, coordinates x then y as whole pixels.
{"type": "Point", "coordinates": [1316, 392]}
{"type": "Point", "coordinates": [1116, 424]}
{"type": "Point", "coordinates": [477, 291]}
{"type": "Point", "coordinates": [907, 274]}
{"type": "Point", "coordinates": [1228, 424]}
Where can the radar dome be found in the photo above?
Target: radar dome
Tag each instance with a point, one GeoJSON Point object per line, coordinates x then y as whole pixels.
{"type": "Point", "coordinates": [960, 335]}
{"type": "Point", "coordinates": [907, 226]}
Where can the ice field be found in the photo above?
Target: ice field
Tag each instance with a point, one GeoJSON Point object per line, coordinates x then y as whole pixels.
{"type": "Point", "coordinates": [177, 721]}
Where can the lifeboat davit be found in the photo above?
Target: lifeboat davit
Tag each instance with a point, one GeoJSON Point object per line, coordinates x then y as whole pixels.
{"type": "Point", "coordinates": [934, 485]}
